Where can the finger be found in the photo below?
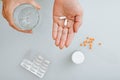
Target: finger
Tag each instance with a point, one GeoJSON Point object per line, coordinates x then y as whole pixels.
{"type": "Point", "coordinates": [57, 20]}
{"type": "Point", "coordinates": [10, 19]}
{"type": "Point", "coordinates": [3, 12]}
{"type": "Point", "coordinates": [70, 23]}
{"type": "Point", "coordinates": [63, 38]}
{"type": "Point", "coordinates": [77, 23]}
{"type": "Point", "coordinates": [69, 37]}
{"type": "Point", "coordinates": [59, 33]}
{"type": "Point", "coordinates": [18, 29]}
{"type": "Point", "coordinates": [36, 5]}
{"type": "Point", "coordinates": [70, 32]}
{"type": "Point", "coordinates": [61, 23]}
{"type": "Point", "coordinates": [54, 30]}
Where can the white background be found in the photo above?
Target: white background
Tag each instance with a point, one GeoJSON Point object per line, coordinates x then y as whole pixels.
{"type": "Point", "coordinates": [101, 20]}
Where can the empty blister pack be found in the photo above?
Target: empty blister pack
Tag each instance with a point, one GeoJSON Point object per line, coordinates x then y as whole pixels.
{"type": "Point", "coordinates": [37, 65]}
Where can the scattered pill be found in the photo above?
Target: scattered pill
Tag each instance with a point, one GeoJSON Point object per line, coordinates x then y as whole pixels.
{"type": "Point", "coordinates": [81, 44]}
{"type": "Point", "coordinates": [90, 44]}
{"type": "Point", "coordinates": [85, 41]}
{"type": "Point", "coordinates": [84, 44]}
{"type": "Point", "coordinates": [89, 41]}
{"type": "Point", "coordinates": [92, 39]}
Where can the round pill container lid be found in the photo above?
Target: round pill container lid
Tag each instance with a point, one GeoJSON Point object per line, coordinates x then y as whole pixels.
{"type": "Point", "coordinates": [26, 16]}
{"type": "Point", "coordinates": [78, 57]}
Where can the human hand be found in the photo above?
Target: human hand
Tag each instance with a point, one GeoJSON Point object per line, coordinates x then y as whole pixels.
{"type": "Point", "coordinates": [8, 9]}
{"type": "Point", "coordinates": [72, 10]}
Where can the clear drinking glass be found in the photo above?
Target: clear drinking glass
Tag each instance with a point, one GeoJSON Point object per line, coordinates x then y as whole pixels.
{"type": "Point", "coordinates": [26, 17]}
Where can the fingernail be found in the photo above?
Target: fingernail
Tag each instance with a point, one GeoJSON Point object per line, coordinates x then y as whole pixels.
{"type": "Point", "coordinates": [29, 31]}
{"type": "Point", "coordinates": [54, 38]}
{"type": "Point", "coordinates": [61, 48]}
{"type": "Point", "coordinates": [66, 46]}
{"type": "Point", "coordinates": [76, 31]}
{"type": "Point", "coordinates": [56, 43]}
{"type": "Point", "coordinates": [38, 7]}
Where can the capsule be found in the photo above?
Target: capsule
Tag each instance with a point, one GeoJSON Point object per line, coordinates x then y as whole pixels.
{"type": "Point", "coordinates": [65, 23]}
{"type": "Point", "coordinates": [62, 17]}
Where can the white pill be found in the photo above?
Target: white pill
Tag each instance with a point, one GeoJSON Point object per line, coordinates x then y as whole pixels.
{"type": "Point", "coordinates": [78, 57]}
{"type": "Point", "coordinates": [65, 23]}
{"type": "Point", "coordinates": [62, 17]}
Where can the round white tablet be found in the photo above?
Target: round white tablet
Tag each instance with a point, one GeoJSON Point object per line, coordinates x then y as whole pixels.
{"type": "Point", "coordinates": [78, 57]}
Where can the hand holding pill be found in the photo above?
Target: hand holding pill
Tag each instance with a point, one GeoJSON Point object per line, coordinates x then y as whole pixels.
{"type": "Point", "coordinates": [67, 18]}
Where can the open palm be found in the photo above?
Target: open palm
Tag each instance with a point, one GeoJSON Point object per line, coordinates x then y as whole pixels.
{"type": "Point", "coordinates": [62, 34]}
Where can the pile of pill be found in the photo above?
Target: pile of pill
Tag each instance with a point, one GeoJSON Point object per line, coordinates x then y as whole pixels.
{"type": "Point", "coordinates": [89, 41]}
{"type": "Point", "coordinates": [65, 20]}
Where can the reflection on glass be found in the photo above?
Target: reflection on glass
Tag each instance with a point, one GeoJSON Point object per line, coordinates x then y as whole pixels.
{"type": "Point", "coordinates": [26, 16]}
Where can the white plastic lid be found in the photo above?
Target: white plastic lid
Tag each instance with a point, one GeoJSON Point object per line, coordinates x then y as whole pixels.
{"type": "Point", "coordinates": [78, 57]}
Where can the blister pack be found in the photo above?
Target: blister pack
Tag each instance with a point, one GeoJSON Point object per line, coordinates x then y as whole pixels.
{"type": "Point", "coordinates": [37, 65]}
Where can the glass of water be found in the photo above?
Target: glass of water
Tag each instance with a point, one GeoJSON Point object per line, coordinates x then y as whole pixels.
{"type": "Point", "coordinates": [26, 17]}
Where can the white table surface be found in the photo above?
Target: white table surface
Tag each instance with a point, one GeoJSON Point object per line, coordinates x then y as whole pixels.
{"type": "Point", "coordinates": [101, 20]}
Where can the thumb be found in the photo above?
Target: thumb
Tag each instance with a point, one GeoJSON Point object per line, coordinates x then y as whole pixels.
{"type": "Point", "coordinates": [36, 5]}
{"type": "Point", "coordinates": [77, 23]}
